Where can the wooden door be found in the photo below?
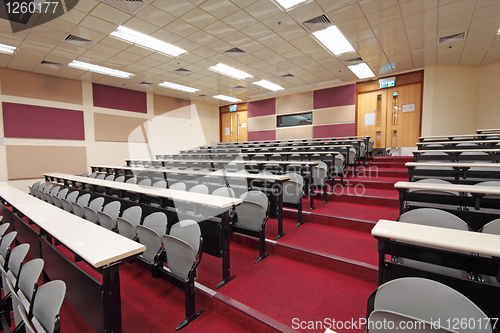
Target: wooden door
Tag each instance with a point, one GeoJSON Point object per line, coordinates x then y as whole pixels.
{"type": "Point", "coordinates": [403, 115]}
{"type": "Point", "coordinates": [234, 126]}
{"type": "Point", "coordinates": [371, 118]}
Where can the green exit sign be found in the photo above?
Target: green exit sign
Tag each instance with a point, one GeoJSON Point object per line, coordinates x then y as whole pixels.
{"type": "Point", "coordinates": [387, 82]}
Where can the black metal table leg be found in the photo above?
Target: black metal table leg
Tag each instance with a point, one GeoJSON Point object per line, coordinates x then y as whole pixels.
{"type": "Point", "coordinates": [226, 263]}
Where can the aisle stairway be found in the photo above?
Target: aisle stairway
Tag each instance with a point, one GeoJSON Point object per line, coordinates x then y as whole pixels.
{"type": "Point", "coordinates": [325, 268]}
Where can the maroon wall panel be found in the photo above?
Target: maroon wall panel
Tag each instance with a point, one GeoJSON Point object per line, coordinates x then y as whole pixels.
{"type": "Point", "coordinates": [40, 122]}
{"type": "Point", "coordinates": [265, 107]}
{"type": "Point", "coordinates": [336, 96]}
{"type": "Point", "coordinates": [331, 131]}
{"type": "Point", "coordinates": [119, 98]}
{"type": "Point", "coordinates": [262, 135]}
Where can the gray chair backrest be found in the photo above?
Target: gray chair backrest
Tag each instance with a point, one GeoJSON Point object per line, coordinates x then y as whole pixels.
{"type": "Point", "coordinates": [3, 228]}
{"type": "Point", "coordinates": [96, 204]}
{"type": "Point", "coordinates": [398, 320]}
{"type": "Point", "coordinates": [48, 302]}
{"type": "Point", "coordinates": [428, 300]}
{"type": "Point", "coordinates": [72, 196]}
{"type": "Point", "coordinates": [252, 212]}
{"type": "Point", "coordinates": [16, 303]}
{"type": "Point", "coordinates": [85, 174]}
{"type": "Point", "coordinates": [160, 184]}
{"type": "Point", "coordinates": [47, 188]}
{"type": "Point", "coordinates": [435, 218]}
{"type": "Point", "coordinates": [293, 188]}
{"type": "Point", "coordinates": [101, 176]}
{"type": "Point", "coordinates": [28, 277]}
{"type": "Point", "coordinates": [120, 179]}
{"type": "Point", "coordinates": [63, 193]}
{"type": "Point", "coordinates": [17, 256]}
{"type": "Point", "coordinates": [320, 173]}
{"type": "Point", "coordinates": [178, 187]}
{"type": "Point", "coordinates": [259, 157]}
{"type": "Point", "coordinates": [128, 222]}
{"type": "Point", "coordinates": [145, 182]}
{"type": "Point", "coordinates": [188, 231]}
{"type": "Point", "coordinates": [433, 181]}
{"type": "Point", "coordinates": [54, 190]}
{"type": "Point", "coordinates": [492, 227]}
{"type": "Point", "coordinates": [180, 256]}
{"type": "Point", "coordinates": [66, 205]}
{"type": "Point", "coordinates": [35, 185]}
{"type": "Point", "coordinates": [133, 214]}
{"type": "Point", "coordinates": [224, 192]}
{"type": "Point", "coordinates": [107, 218]}
{"type": "Point", "coordinates": [83, 199]}
{"type": "Point", "coordinates": [149, 238]}
{"type": "Point", "coordinates": [157, 222]}
{"type": "Point", "coordinates": [110, 177]}
{"type": "Point", "coordinates": [131, 180]}
{"type": "Point", "coordinates": [90, 214]}
{"type": "Point", "coordinates": [200, 188]}
{"type": "Point", "coordinates": [93, 175]}
{"type": "Point", "coordinates": [6, 243]}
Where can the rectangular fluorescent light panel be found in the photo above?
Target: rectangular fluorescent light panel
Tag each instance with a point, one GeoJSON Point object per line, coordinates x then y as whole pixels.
{"type": "Point", "coordinates": [229, 71]}
{"type": "Point", "coordinates": [362, 71]}
{"type": "Point", "coordinates": [268, 85]}
{"type": "Point", "coordinates": [227, 98]}
{"type": "Point", "coordinates": [7, 49]}
{"type": "Point", "coordinates": [99, 69]}
{"type": "Point", "coordinates": [146, 41]}
{"type": "Point", "coordinates": [287, 4]}
{"type": "Point", "coordinates": [333, 40]}
{"type": "Point", "coordinates": [178, 87]}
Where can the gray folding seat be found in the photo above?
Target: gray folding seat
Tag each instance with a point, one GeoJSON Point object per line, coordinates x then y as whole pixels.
{"type": "Point", "coordinates": [131, 180]}
{"type": "Point", "coordinates": [70, 198]}
{"type": "Point", "coordinates": [101, 176]}
{"type": "Point", "coordinates": [320, 175]}
{"type": "Point", "coordinates": [178, 186]}
{"type": "Point", "coordinates": [77, 206]}
{"type": "Point", "coordinates": [145, 182]}
{"type": "Point", "coordinates": [414, 300]}
{"type": "Point", "coordinates": [157, 222]}
{"type": "Point", "coordinates": [109, 214]}
{"type": "Point", "coordinates": [120, 179]}
{"type": "Point", "coordinates": [3, 228]}
{"type": "Point", "coordinates": [293, 190]}
{"type": "Point", "coordinates": [252, 216]}
{"type": "Point", "coordinates": [152, 240]}
{"type": "Point", "coordinates": [46, 307]}
{"type": "Point", "coordinates": [93, 175]}
{"type": "Point", "coordinates": [85, 174]}
{"type": "Point", "coordinates": [5, 247]}
{"type": "Point", "coordinates": [16, 260]}
{"type": "Point", "coordinates": [23, 291]}
{"type": "Point", "coordinates": [160, 184]}
{"type": "Point", "coordinates": [492, 228]}
{"type": "Point", "coordinates": [435, 218]}
{"type": "Point", "coordinates": [258, 157]}
{"type": "Point", "coordinates": [128, 222]}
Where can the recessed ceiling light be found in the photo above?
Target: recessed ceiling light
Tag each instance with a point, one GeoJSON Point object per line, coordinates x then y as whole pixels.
{"type": "Point", "coordinates": [178, 87]}
{"type": "Point", "coordinates": [7, 49]}
{"type": "Point", "coordinates": [227, 98]}
{"type": "Point", "coordinates": [362, 71]}
{"type": "Point", "coordinates": [268, 85]}
{"type": "Point", "coordinates": [287, 4]}
{"type": "Point", "coordinates": [146, 41]}
{"type": "Point", "coordinates": [333, 40]}
{"type": "Point", "coordinates": [99, 69]}
{"type": "Point", "coordinates": [498, 33]}
{"type": "Point", "coordinates": [229, 71]}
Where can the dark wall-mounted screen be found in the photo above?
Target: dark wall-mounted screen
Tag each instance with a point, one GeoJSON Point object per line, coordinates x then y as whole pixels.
{"type": "Point", "coordinates": [295, 119]}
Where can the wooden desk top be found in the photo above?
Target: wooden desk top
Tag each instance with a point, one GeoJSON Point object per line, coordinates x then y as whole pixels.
{"type": "Point", "coordinates": [457, 142]}
{"type": "Point", "coordinates": [218, 173]}
{"type": "Point", "coordinates": [237, 161]}
{"type": "Point", "coordinates": [95, 244]}
{"type": "Point", "coordinates": [449, 239]}
{"type": "Point", "coordinates": [453, 164]}
{"type": "Point", "coordinates": [448, 187]}
{"type": "Point", "coordinates": [456, 151]}
{"type": "Point", "coordinates": [197, 198]}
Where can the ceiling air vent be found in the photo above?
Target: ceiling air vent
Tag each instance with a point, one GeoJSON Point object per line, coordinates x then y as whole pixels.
{"type": "Point", "coordinates": [235, 52]}
{"type": "Point", "coordinates": [202, 96]}
{"type": "Point", "coordinates": [146, 84]}
{"type": "Point", "coordinates": [129, 6]}
{"type": "Point", "coordinates": [51, 64]}
{"type": "Point", "coordinates": [318, 23]}
{"type": "Point", "coordinates": [238, 88]}
{"type": "Point", "coordinates": [182, 71]}
{"type": "Point", "coordinates": [78, 41]}
{"type": "Point", "coordinates": [451, 38]}
{"type": "Point", "coordinates": [287, 76]}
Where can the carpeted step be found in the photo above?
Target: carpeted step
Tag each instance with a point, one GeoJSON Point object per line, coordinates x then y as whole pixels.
{"type": "Point", "coordinates": [381, 183]}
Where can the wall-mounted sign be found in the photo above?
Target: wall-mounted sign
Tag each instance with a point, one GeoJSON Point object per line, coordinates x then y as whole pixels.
{"type": "Point", "coordinates": [387, 82]}
{"type": "Point", "coordinates": [409, 108]}
{"type": "Point", "coordinates": [233, 108]}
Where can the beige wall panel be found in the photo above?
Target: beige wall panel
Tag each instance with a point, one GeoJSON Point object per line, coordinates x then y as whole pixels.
{"type": "Point", "coordinates": [21, 160]}
{"type": "Point", "coordinates": [118, 128]}
{"type": "Point", "coordinates": [295, 102]}
{"type": "Point", "coordinates": [164, 104]}
{"type": "Point", "coordinates": [209, 118]}
{"type": "Point", "coordinates": [337, 115]}
{"type": "Point", "coordinates": [488, 96]}
{"type": "Point", "coordinates": [33, 85]}
{"type": "Point", "coordinates": [294, 132]}
{"type": "Point", "coordinates": [261, 123]}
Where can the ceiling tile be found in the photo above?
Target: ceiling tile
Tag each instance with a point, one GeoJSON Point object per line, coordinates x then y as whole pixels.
{"type": "Point", "coordinates": [413, 7]}
{"type": "Point", "coordinates": [372, 6]}
{"type": "Point", "coordinates": [109, 13]}
{"type": "Point", "coordinates": [155, 16]}
{"type": "Point", "coordinates": [243, 3]}
{"type": "Point", "coordinates": [329, 5]}
{"type": "Point", "coordinates": [353, 26]}
{"type": "Point", "coordinates": [140, 25]}
{"type": "Point", "coordinates": [452, 20]}
{"type": "Point", "coordinates": [279, 22]}
{"type": "Point", "coordinates": [219, 8]}
{"type": "Point", "coordinates": [384, 16]}
{"type": "Point", "coordinates": [240, 20]}
{"type": "Point", "coordinates": [166, 36]}
{"type": "Point", "coordinates": [201, 37]}
{"type": "Point", "coordinates": [45, 32]}
{"type": "Point", "coordinates": [485, 12]}
{"type": "Point", "coordinates": [219, 46]}
{"type": "Point", "coordinates": [388, 27]}
{"type": "Point", "coordinates": [198, 18]}
{"type": "Point", "coordinates": [346, 13]}
{"type": "Point", "coordinates": [237, 38]}
{"type": "Point", "coordinates": [257, 31]}
{"type": "Point", "coordinates": [180, 28]}
{"type": "Point", "coordinates": [486, 22]}
{"type": "Point", "coordinates": [306, 12]}
{"type": "Point", "coordinates": [263, 9]}
{"type": "Point", "coordinates": [219, 29]}
{"type": "Point", "coordinates": [88, 34]}
{"type": "Point", "coordinates": [176, 8]}
{"type": "Point", "coordinates": [456, 7]}
{"type": "Point", "coordinates": [270, 40]}
{"type": "Point", "coordinates": [97, 24]}
{"type": "Point", "coordinates": [73, 16]}
{"type": "Point", "coordinates": [293, 32]}
{"type": "Point", "coordinates": [204, 52]}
